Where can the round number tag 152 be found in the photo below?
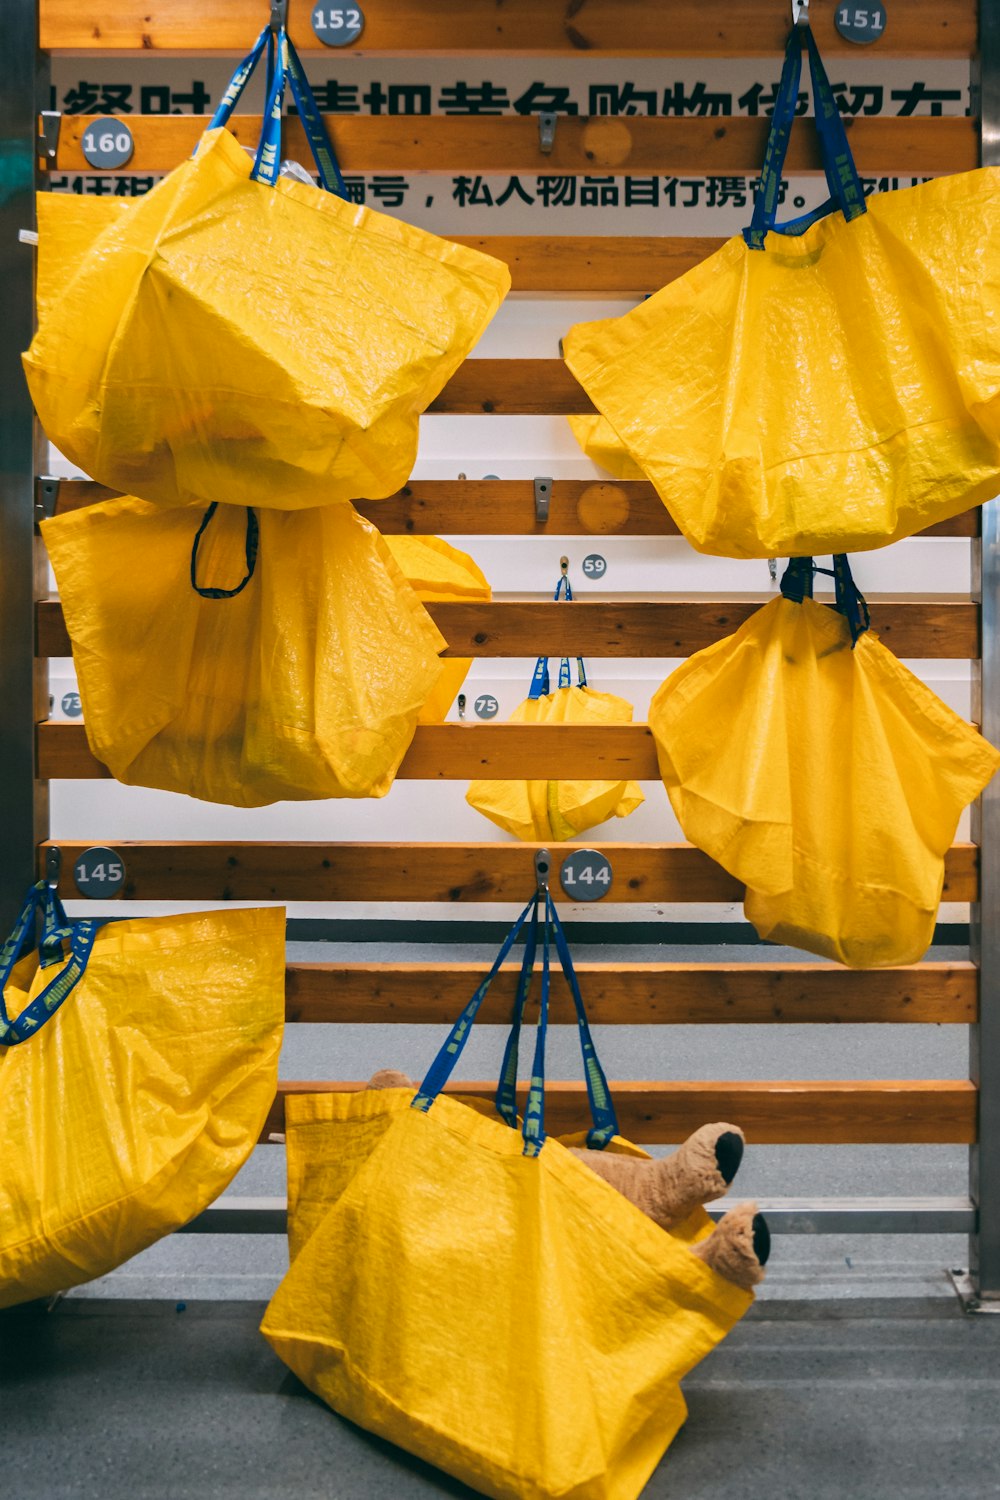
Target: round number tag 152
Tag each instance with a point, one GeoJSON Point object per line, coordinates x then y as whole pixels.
{"type": "Point", "coordinates": [338, 25]}
{"type": "Point", "coordinates": [585, 875]}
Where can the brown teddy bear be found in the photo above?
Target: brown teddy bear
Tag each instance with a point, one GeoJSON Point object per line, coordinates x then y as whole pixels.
{"type": "Point", "coordinates": [668, 1188]}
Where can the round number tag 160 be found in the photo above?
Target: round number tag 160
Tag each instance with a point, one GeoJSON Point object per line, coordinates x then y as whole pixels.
{"type": "Point", "coordinates": [99, 873]}
{"type": "Point", "coordinates": [107, 142]}
{"type": "Point", "coordinates": [585, 875]}
{"type": "Point", "coordinates": [338, 25]}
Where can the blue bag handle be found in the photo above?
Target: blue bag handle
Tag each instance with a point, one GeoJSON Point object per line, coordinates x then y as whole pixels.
{"type": "Point", "coordinates": [252, 547]}
{"type": "Point", "coordinates": [283, 66]}
{"type": "Point", "coordinates": [842, 178]}
{"type": "Point", "coordinates": [540, 687]}
{"type": "Point", "coordinates": [797, 584]}
{"type": "Point", "coordinates": [605, 1123]}
{"type": "Point", "coordinates": [56, 927]}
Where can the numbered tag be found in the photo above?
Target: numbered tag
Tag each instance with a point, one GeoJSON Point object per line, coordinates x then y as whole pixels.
{"type": "Point", "coordinates": [585, 875]}
{"type": "Point", "coordinates": [338, 25]}
{"type": "Point", "coordinates": [99, 873]}
{"type": "Point", "coordinates": [860, 23]}
{"type": "Point", "coordinates": [486, 706]}
{"type": "Point", "coordinates": [594, 565]}
{"type": "Point", "coordinates": [107, 142]}
{"type": "Point", "coordinates": [71, 705]}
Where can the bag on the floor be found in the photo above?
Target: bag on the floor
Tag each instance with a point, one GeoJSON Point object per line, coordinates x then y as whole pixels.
{"type": "Point", "coordinates": [138, 1059]}
{"type": "Point", "coordinates": [448, 1231]}
{"type": "Point", "coordinates": [242, 337]}
{"type": "Point", "coordinates": [828, 779]}
{"type": "Point", "coordinates": [825, 385]}
{"type": "Point", "coordinates": [559, 809]}
{"type": "Point", "coordinates": [440, 574]}
{"type": "Point", "coordinates": [240, 659]}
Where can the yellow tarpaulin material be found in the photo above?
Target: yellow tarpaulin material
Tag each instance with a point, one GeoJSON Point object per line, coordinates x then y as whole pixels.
{"type": "Point", "coordinates": [225, 340]}
{"type": "Point", "coordinates": [129, 1099]}
{"type": "Point", "coordinates": [440, 573]}
{"type": "Point", "coordinates": [829, 781]}
{"type": "Point", "coordinates": [307, 683]}
{"type": "Point", "coordinates": [540, 810]}
{"type": "Point", "coordinates": [831, 391]}
{"type": "Point", "coordinates": [601, 443]}
{"type": "Point", "coordinates": [475, 1294]}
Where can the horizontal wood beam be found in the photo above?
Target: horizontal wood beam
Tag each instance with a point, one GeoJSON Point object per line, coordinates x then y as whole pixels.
{"type": "Point", "coordinates": [482, 872]}
{"type": "Point", "coordinates": [639, 994]}
{"type": "Point", "coordinates": [506, 507]}
{"type": "Point", "coordinates": [619, 28]}
{"type": "Point", "coordinates": [620, 145]}
{"type": "Point", "coordinates": [804, 1113]}
{"type": "Point", "coordinates": [945, 627]}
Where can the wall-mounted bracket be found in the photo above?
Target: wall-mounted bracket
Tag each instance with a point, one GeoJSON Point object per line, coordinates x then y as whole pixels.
{"type": "Point", "coordinates": [48, 134]}
{"type": "Point", "coordinates": [46, 496]}
{"type": "Point", "coordinates": [547, 131]}
{"type": "Point", "coordinates": [543, 493]}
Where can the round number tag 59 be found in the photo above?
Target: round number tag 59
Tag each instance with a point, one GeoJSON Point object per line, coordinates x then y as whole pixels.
{"type": "Point", "coordinates": [585, 875]}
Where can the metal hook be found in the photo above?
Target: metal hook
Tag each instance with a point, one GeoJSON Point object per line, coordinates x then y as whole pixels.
{"type": "Point", "coordinates": [279, 15]}
{"type": "Point", "coordinates": [564, 565]}
{"type": "Point", "coordinates": [461, 705]}
{"type": "Point", "coordinates": [53, 867]}
{"type": "Point", "coordinates": [800, 12]}
{"type": "Point", "coordinates": [543, 864]}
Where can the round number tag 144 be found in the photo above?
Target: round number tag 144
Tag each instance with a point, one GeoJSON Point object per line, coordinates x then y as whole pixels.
{"type": "Point", "coordinates": [585, 875]}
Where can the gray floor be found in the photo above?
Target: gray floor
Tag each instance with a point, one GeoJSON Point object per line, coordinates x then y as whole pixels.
{"type": "Point", "coordinates": [132, 1401]}
{"type": "Point", "coordinates": [856, 1374]}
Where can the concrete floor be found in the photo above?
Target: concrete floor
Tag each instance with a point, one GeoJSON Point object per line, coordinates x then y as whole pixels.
{"type": "Point", "coordinates": [139, 1401]}
{"type": "Point", "coordinates": [856, 1374]}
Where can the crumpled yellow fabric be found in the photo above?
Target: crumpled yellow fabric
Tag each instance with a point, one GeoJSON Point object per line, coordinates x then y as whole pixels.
{"type": "Point", "coordinates": [440, 573]}
{"type": "Point", "coordinates": [134, 1104]}
{"type": "Point", "coordinates": [600, 442]}
{"type": "Point", "coordinates": [542, 810]}
{"type": "Point", "coordinates": [222, 340]}
{"type": "Point", "coordinates": [829, 781]}
{"type": "Point", "coordinates": [832, 392]}
{"type": "Point", "coordinates": [512, 1319]}
{"type": "Point", "coordinates": [307, 684]}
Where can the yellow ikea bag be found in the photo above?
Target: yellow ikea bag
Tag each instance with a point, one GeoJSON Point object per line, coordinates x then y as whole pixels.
{"type": "Point", "coordinates": [600, 442]}
{"type": "Point", "coordinates": [440, 573]}
{"type": "Point", "coordinates": [458, 1232]}
{"type": "Point", "coordinates": [827, 385]}
{"type": "Point", "coordinates": [828, 779]}
{"type": "Point", "coordinates": [138, 1060]}
{"type": "Point", "coordinates": [242, 660]}
{"type": "Point", "coordinates": [559, 809]}
{"type": "Point", "coordinates": [245, 337]}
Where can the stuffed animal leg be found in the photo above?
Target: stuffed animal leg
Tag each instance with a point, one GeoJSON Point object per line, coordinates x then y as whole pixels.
{"type": "Point", "coordinates": [669, 1188]}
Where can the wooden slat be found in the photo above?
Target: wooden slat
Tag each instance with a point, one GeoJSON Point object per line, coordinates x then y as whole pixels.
{"type": "Point", "coordinates": [512, 387]}
{"type": "Point", "coordinates": [606, 265]}
{"type": "Point", "coordinates": [381, 872]}
{"type": "Point", "coordinates": [621, 28]}
{"type": "Point", "coordinates": [638, 994]}
{"type": "Point", "coordinates": [620, 145]}
{"type": "Point", "coordinates": [945, 627]}
{"type": "Point", "coordinates": [506, 507]}
{"type": "Point", "coordinates": [814, 1113]}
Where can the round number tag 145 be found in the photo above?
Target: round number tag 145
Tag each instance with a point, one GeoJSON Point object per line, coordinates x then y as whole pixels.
{"type": "Point", "coordinates": [99, 873]}
{"type": "Point", "coordinates": [585, 875]}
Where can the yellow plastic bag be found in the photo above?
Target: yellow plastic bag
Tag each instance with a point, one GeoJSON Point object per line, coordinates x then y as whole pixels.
{"type": "Point", "coordinates": [834, 390]}
{"type": "Point", "coordinates": [455, 1234]}
{"type": "Point", "coordinates": [829, 780]}
{"type": "Point", "coordinates": [440, 573]}
{"type": "Point", "coordinates": [138, 1060]}
{"type": "Point", "coordinates": [542, 810]}
{"type": "Point", "coordinates": [601, 443]}
{"type": "Point", "coordinates": [305, 683]}
{"type": "Point", "coordinates": [241, 337]}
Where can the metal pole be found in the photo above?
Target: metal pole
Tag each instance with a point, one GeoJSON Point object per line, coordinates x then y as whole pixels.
{"type": "Point", "coordinates": [984, 1042]}
{"type": "Point", "coordinates": [23, 687]}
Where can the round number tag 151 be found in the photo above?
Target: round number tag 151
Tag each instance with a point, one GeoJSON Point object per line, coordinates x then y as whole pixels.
{"type": "Point", "coordinates": [585, 875]}
{"type": "Point", "coordinates": [338, 25]}
{"type": "Point", "coordinates": [863, 24]}
{"type": "Point", "coordinates": [99, 873]}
